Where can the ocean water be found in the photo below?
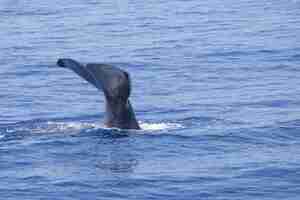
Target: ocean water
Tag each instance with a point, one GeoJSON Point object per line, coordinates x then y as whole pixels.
{"type": "Point", "coordinates": [215, 88]}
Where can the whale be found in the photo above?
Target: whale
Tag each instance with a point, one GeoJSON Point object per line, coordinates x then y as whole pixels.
{"type": "Point", "coordinates": [115, 83]}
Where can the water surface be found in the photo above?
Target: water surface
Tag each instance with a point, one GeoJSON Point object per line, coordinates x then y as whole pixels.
{"type": "Point", "coordinates": [215, 88]}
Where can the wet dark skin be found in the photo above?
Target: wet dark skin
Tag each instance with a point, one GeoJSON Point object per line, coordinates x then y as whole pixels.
{"type": "Point", "coordinates": [115, 84]}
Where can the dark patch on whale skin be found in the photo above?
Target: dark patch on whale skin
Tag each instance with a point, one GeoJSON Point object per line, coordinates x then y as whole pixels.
{"type": "Point", "coordinates": [116, 85]}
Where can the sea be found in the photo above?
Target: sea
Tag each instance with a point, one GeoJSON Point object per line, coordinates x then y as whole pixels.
{"type": "Point", "coordinates": [215, 88]}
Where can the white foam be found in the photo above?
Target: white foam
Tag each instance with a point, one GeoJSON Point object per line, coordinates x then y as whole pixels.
{"type": "Point", "coordinates": [159, 126]}
{"type": "Point", "coordinates": [74, 126]}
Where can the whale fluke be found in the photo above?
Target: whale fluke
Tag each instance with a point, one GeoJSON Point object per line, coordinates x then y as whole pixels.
{"type": "Point", "coordinates": [116, 86]}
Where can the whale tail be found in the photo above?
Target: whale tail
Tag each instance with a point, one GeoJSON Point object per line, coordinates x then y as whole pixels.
{"type": "Point", "coordinates": [116, 85]}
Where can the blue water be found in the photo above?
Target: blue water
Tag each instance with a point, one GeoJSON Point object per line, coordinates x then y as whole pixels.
{"type": "Point", "coordinates": [215, 88]}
